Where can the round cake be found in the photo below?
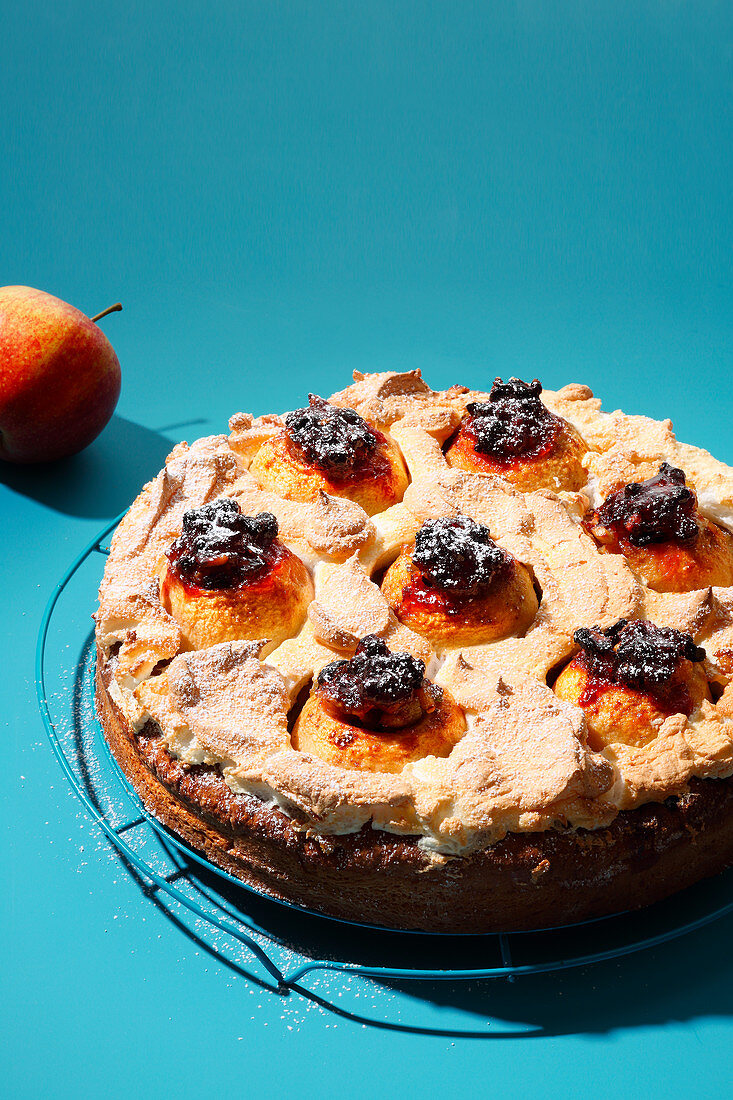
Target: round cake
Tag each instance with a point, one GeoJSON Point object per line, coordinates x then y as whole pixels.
{"type": "Point", "coordinates": [443, 660]}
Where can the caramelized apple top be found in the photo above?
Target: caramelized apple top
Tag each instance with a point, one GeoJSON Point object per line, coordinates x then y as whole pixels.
{"type": "Point", "coordinates": [339, 441]}
{"type": "Point", "coordinates": [220, 548]}
{"type": "Point", "coordinates": [458, 555]}
{"type": "Point", "coordinates": [513, 423]}
{"type": "Point", "coordinates": [660, 509]}
{"type": "Point", "coordinates": [377, 689]}
{"type": "Point", "coordinates": [637, 653]}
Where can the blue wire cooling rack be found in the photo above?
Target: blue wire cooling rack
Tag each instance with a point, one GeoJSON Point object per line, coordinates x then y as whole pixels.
{"type": "Point", "coordinates": [283, 942]}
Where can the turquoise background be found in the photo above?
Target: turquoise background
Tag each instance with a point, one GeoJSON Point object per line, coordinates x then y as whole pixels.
{"type": "Point", "coordinates": [280, 193]}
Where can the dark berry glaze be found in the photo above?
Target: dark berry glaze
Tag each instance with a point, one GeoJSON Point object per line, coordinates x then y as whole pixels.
{"type": "Point", "coordinates": [455, 561]}
{"type": "Point", "coordinates": [639, 655]}
{"type": "Point", "coordinates": [337, 441]}
{"type": "Point", "coordinates": [513, 424]}
{"type": "Point", "coordinates": [219, 548]}
{"type": "Point", "coordinates": [660, 509]}
{"type": "Point", "coordinates": [377, 689]}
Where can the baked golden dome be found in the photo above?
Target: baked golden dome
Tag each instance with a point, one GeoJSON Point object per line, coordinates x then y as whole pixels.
{"type": "Point", "coordinates": [332, 450]}
{"type": "Point", "coordinates": [456, 587]}
{"type": "Point", "coordinates": [629, 679]}
{"type": "Point", "coordinates": [228, 577]}
{"type": "Point", "coordinates": [377, 712]}
{"type": "Point", "coordinates": [515, 436]}
{"type": "Point", "coordinates": [655, 524]}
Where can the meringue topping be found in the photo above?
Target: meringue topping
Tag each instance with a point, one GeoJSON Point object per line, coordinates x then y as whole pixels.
{"type": "Point", "coordinates": [496, 779]}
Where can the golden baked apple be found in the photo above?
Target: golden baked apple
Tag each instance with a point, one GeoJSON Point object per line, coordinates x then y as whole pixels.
{"type": "Point", "coordinates": [514, 436]}
{"type": "Point", "coordinates": [228, 577]}
{"type": "Point", "coordinates": [456, 587]}
{"type": "Point", "coordinates": [332, 450]}
{"type": "Point", "coordinates": [630, 678]}
{"type": "Point", "coordinates": [377, 712]}
{"type": "Point", "coordinates": [655, 524]}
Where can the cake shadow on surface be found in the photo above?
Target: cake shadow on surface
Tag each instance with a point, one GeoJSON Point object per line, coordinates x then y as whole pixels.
{"type": "Point", "coordinates": [102, 480]}
{"type": "Point", "coordinates": [675, 982]}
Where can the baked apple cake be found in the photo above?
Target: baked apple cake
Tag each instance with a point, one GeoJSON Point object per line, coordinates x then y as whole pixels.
{"type": "Point", "coordinates": [438, 660]}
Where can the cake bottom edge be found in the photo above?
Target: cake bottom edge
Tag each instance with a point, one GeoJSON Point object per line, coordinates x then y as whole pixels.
{"type": "Point", "coordinates": [525, 882]}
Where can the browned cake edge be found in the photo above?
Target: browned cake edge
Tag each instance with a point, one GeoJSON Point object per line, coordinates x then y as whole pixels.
{"type": "Point", "coordinates": [526, 881]}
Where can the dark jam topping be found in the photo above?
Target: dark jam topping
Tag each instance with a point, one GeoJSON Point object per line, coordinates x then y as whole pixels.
{"type": "Point", "coordinates": [337, 440]}
{"type": "Point", "coordinates": [457, 555]}
{"type": "Point", "coordinates": [220, 548]}
{"type": "Point", "coordinates": [377, 689]}
{"type": "Point", "coordinates": [660, 509]}
{"type": "Point", "coordinates": [513, 423]}
{"type": "Point", "coordinates": [640, 655]}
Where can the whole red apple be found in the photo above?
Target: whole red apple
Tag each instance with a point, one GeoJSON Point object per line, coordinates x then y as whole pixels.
{"type": "Point", "coordinates": [59, 377]}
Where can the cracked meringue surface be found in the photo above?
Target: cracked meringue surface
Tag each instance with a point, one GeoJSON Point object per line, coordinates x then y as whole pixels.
{"type": "Point", "coordinates": [524, 763]}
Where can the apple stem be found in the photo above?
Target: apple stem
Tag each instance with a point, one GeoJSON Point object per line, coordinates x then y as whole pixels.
{"type": "Point", "coordinates": [112, 309]}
